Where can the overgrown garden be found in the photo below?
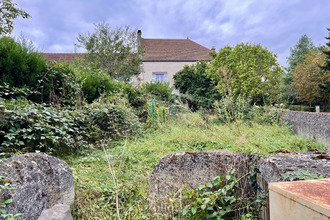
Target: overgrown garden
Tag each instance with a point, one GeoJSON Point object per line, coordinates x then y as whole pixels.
{"type": "Point", "coordinates": [112, 134]}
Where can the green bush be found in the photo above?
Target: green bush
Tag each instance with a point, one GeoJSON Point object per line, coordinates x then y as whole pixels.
{"type": "Point", "coordinates": [216, 200]}
{"type": "Point", "coordinates": [29, 127]}
{"type": "Point", "coordinates": [137, 100]}
{"type": "Point", "coordinates": [20, 67]}
{"type": "Point", "coordinates": [161, 90]}
{"type": "Point", "coordinates": [59, 86]}
{"type": "Point", "coordinates": [95, 82]}
{"type": "Point", "coordinates": [194, 81]}
{"type": "Point", "coordinates": [266, 114]}
{"type": "Point", "coordinates": [230, 110]}
{"type": "Point", "coordinates": [112, 120]}
{"type": "Point", "coordinates": [302, 108]}
{"type": "Point", "coordinates": [25, 72]}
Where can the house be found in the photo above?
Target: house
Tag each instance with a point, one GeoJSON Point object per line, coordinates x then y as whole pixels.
{"type": "Point", "coordinates": [162, 58]}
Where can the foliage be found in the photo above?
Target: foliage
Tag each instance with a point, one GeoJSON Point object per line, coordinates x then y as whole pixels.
{"type": "Point", "coordinates": [137, 99]}
{"type": "Point", "coordinates": [9, 92]}
{"type": "Point", "coordinates": [116, 51]}
{"type": "Point", "coordinates": [299, 51]}
{"type": "Point", "coordinates": [300, 175]}
{"type": "Point", "coordinates": [27, 127]}
{"type": "Point", "coordinates": [230, 110]}
{"type": "Point", "coordinates": [250, 71]}
{"type": "Point", "coordinates": [25, 73]}
{"type": "Point", "coordinates": [8, 13]}
{"type": "Point", "coordinates": [20, 67]}
{"type": "Point", "coordinates": [95, 194]}
{"type": "Point", "coordinates": [94, 82]}
{"type": "Point", "coordinates": [194, 81]}
{"type": "Point", "coordinates": [326, 51]}
{"type": "Point", "coordinates": [271, 115]}
{"type": "Point", "coordinates": [288, 94]}
{"type": "Point", "coordinates": [219, 203]}
{"type": "Point", "coordinates": [157, 115]}
{"type": "Point", "coordinates": [109, 119]}
{"type": "Point", "coordinates": [312, 82]}
{"type": "Point", "coordinates": [6, 185]}
{"type": "Point", "coordinates": [161, 90]}
{"type": "Point", "coordinates": [58, 87]}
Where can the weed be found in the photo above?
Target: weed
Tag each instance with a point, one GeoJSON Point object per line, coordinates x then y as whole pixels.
{"type": "Point", "coordinates": [300, 175]}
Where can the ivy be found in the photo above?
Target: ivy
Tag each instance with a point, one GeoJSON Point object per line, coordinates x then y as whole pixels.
{"type": "Point", "coordinates": [29, 127]}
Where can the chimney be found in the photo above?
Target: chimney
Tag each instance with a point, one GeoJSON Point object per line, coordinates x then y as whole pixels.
{"type": "Point", "coordinates": [213, 48]}
{"type": "Point", "coordinates": [139, 38]}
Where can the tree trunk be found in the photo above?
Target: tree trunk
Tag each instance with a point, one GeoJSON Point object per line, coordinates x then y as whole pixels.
{"type": "Point", "coordinates": [325, 103]}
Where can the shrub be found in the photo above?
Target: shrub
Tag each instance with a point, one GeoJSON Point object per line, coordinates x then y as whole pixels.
{"type": "Point", "coordinates": [29, 127]}
{"type": "Point", "coordinates": [137, 100]}
{"type": "Point", "coordinates": [160, 90]}
{"type": "Point", "coordinates": [112, 120]}
{"type": "Point", "coordinates": [95, 82]}
{"type": "Point", "coordinates": [302, 108]}
{"type": "Point", "coordinates": [20, 67]}
{"type": "Point", "coordinates": [25, 72]}
{"type": "Point", "coordinates": [216, 200]}
{"type": "Point", "coordinates": [266, 114]}
{"type": "Point", "coordinates": [230, 110]}
{"type": "Point", "coordinates": [59, 86]}
{"type": "Point", "coordinates": [194, 81]}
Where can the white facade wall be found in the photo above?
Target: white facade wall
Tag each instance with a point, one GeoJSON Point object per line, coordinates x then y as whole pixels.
{"type": "Point", "coordinates": [151, 67]}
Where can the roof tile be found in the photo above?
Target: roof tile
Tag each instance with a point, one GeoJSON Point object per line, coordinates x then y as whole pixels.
{"type": "Point", "coordinates": [155, 50]}
{"type": "Point", "coordinates": [68, 57]}
{"type": "Point", "coordinates": [174, 50]}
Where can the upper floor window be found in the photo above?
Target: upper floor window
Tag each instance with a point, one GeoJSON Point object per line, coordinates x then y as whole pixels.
{"type": "Point", "coordinates": [159, 77]}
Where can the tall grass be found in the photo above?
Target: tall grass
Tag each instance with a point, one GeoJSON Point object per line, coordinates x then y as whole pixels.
{"type": "Point", "coordinates": [95, 189]}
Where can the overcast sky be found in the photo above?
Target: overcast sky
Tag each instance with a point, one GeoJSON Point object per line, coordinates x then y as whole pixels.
{"type": "Point", "coordinates": [275, 24]}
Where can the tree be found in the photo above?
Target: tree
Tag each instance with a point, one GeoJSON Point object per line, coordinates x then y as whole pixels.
{"type": "Point", "coordinates": [194, 81]}
{"type": "Point", "coordinates": [117, 51]}
{"type": "Point", "coordinates": [326, 51]}
{"type": "Point", "coordinates": [298, 52]}
{"type": "Point", "coordinates": [8, 13]}
{"type": "Point", "coordinates": [311, 81]}
{"type": "Point", "coordinates": [246, 70]}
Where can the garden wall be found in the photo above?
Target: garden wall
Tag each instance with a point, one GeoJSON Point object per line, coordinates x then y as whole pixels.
{"type": "Point", "coordinates": [310, 124]}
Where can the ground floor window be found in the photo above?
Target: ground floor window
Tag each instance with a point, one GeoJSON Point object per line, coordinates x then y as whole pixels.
{"type": "Point", "coordinates": [159, 77]}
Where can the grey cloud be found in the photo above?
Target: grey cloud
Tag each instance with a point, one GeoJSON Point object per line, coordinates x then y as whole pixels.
{"type": "Point", "coordinates": [276, 24]}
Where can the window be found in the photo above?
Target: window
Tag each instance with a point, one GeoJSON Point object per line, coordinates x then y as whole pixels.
{"type": "Point", "coordinates": [159, 77]}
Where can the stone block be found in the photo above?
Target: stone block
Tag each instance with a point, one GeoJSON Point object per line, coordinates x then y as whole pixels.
{"type": "Point", "coordinates": [41, 181]}
{"type": "Point", "coordinates": [57, 212]}
{"type": "Point", "coordinates": [194, 169]}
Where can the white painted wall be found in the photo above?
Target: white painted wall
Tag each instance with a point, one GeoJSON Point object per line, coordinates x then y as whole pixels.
{"type": "Point", "coordinates": [170, 67]}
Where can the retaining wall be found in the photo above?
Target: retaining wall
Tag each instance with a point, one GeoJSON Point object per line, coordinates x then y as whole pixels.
{"type": "Point", "coordinates": [310, 124]}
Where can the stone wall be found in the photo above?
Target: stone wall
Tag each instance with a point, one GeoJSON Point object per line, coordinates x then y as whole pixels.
{"type": "Point", "coordinates": [310, 124]}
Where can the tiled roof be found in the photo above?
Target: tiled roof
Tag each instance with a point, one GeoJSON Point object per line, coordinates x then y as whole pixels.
{"type": "Point", "coordinates": [155, 50]}
{"type": "Point", "coordinates": [173, 50]}
{"type": "Point", "coordinates": [68, 57]}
